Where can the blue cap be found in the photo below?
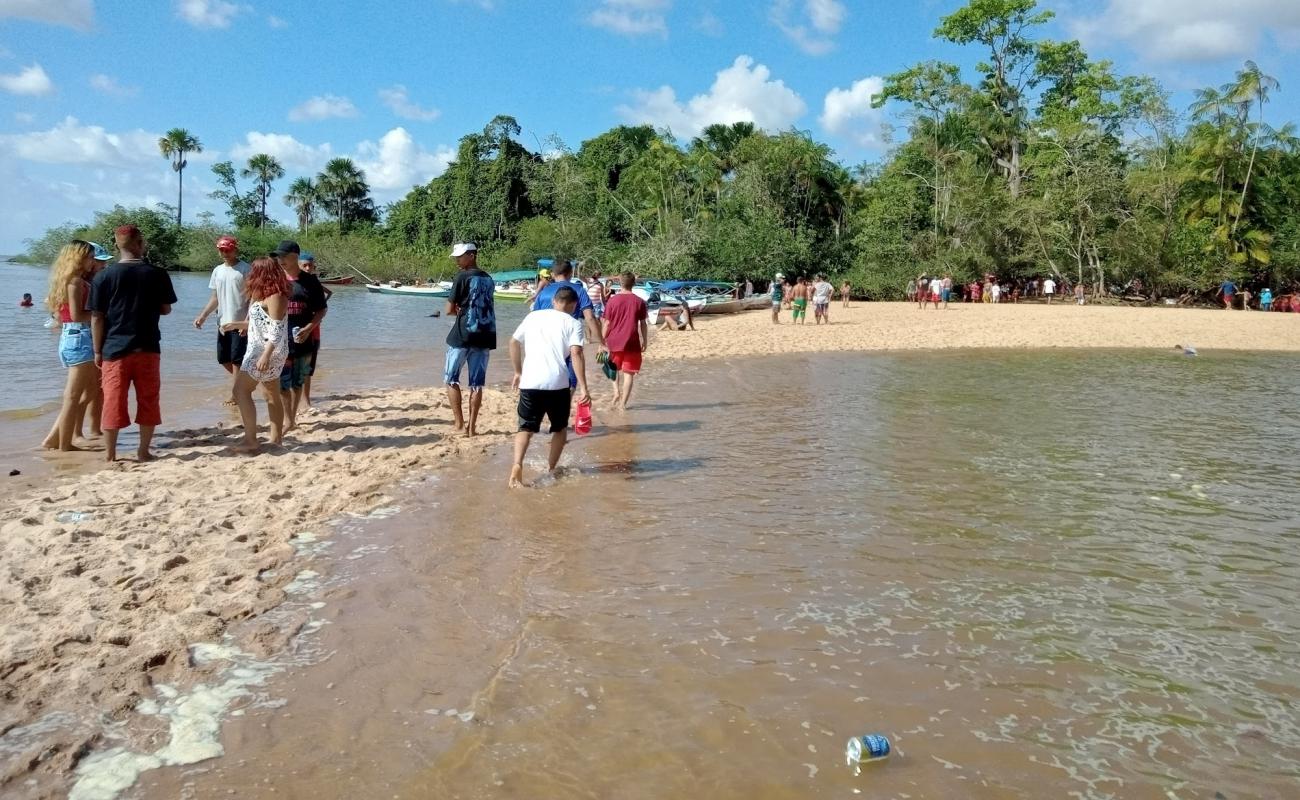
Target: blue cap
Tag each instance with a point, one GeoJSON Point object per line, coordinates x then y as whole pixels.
{"type": "Point", "coordinates": [101, 252]}
{"type": "Point", "coordinates": [306, 255]}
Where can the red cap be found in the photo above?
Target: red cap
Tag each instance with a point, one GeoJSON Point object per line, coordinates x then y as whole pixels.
{"type": "Point", "coordinates": [227, 243]}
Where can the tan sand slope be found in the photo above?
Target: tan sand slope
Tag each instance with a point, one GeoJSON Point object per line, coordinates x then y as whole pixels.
{"type": "Point", "coordinates": [901, 326]}
{"type": "Point", "coordinates": [92, 611]}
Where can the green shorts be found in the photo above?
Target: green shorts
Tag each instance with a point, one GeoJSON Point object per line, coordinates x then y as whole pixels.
{"type": "Point", "coordinates": [800, 308]}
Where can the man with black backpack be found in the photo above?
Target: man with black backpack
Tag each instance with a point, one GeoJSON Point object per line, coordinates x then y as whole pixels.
{"type": "Point", "coordinates": [472, 336]}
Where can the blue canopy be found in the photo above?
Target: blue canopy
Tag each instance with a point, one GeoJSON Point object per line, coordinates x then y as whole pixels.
{"type": "Point", "coordinates": [514, 275]}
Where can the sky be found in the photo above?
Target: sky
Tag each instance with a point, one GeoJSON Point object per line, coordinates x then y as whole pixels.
{"type": "Point", "coordinates": [88, 86]}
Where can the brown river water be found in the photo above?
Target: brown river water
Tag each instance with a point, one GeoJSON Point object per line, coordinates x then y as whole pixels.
{"type": "Point", "coordinates": [1040, 574]}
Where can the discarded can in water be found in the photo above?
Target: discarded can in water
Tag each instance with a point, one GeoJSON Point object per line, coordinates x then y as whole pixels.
{"type": "Point", "coordinates": [871, 747]}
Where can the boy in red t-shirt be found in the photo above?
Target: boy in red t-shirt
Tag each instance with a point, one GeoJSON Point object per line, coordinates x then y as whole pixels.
{"type": "Point", "coordinates": [627, 334]}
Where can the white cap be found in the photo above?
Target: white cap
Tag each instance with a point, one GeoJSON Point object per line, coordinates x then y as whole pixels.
{"type": "Point", "coordinates": [463, 248]}
{"type": "Point", "coordinates": [780, 274]}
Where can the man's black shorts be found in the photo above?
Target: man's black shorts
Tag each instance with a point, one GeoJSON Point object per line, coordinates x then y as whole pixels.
{"type": "Point", "coordinates": [550, 403]}
{"type": "Point", "coordinates": [231, 347]}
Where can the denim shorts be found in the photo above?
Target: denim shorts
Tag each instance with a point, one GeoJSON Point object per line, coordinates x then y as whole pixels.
{"type": "Point", "coordinates": [294, 373]}
{"type": "Point", "coordinates": [478, 364]}
{"type": "Point", "coordinates": [76, 345]}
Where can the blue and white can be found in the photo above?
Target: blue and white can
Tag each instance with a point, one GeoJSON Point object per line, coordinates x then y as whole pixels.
{"type": "Point", "coordinates": [869, 747]}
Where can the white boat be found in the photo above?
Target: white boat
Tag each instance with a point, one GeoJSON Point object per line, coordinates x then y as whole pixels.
{"type": "Point", "coordinates": [440, 289]}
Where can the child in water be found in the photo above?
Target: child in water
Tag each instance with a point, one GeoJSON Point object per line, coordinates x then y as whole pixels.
{"type": "Point", "coordinates": [26, 302]}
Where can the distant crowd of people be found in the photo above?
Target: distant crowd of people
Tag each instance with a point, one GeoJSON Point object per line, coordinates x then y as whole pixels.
{"type": "Point", "coordinates": [796, 296]}
{"type": "Point", "coordinates": [940, 291]}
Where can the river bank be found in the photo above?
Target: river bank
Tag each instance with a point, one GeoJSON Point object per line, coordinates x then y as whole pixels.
{"type": "Point", "coordinates": [110, 576]}
{"type": "Point", "coordinates": [1019, 326]}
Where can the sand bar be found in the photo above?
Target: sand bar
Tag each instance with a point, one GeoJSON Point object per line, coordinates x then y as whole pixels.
{"type": "Point", "coordinates": [109, 576]}
{"type": "Point", "coordinates": [901, 326]}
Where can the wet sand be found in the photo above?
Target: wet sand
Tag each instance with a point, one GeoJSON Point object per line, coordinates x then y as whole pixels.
{"type": "Point", "coordinates": [109, 579]}
{"type": "Point", "coordinates": [902, 326]}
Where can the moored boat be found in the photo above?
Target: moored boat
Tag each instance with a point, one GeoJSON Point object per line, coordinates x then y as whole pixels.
{"type": "Point", "coordinates": [341, 280]}
{"type": "Point", "coordinates": [441, 289]}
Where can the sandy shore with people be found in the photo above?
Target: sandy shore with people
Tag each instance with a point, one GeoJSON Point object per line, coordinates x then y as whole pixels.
{"type": "Point", "coordinates": [901, 326]}
{"type": "Point", "coordinates": [110, 574]}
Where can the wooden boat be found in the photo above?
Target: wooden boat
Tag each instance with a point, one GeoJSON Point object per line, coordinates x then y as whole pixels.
{"type": "Point", "coordinates": [341, 280]}
{"type": "Point", "coordinates": [442, 289]}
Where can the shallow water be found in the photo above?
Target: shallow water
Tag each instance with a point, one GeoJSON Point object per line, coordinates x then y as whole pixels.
{"type": "Point", "coordinates": [1042, 575]}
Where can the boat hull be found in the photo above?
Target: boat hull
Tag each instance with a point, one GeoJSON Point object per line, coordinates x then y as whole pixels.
{"type": "Point", "coordinates": [409, 291]}
{"type": "Point", "coordinates": [346, 280]}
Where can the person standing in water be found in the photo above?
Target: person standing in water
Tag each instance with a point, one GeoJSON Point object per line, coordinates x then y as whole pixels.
{"type": "Point", "coordinates": [308, 263]}
{"type": "Point", "coordinates": [126, 301]}
{"type": "Point", "coordinates": [27, 301]}
{"type": "Point", "coordinates": [627, 334]}
{"type": "Point", "coordinates": [307, 307]}
{"type": "Point", "coordinates": [541, 350]}
{"type": "Point", "coordinates": [266, 330]}
{"type": "Point", "coordinates": [473, 334]}
{"type": "Point", "coordinates": [231, 304]}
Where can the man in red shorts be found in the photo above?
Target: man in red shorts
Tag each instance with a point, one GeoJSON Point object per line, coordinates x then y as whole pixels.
{"type": "Point", "coordinates": [627, 334]}
{"type": "Point", "coordinates": [126, 301]}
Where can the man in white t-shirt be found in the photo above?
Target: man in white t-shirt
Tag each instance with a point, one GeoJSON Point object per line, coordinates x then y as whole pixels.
{"type": "Point", "coordinates": [822, 292]}
{"type": "Point", "coordinates": [539, 350]}
{"type": "Point", "coordinates": [1049, 289]}
{"type": "Point", "coordinates": [935, 288]}
{"type": "Point", "coordinates": [229, 300]}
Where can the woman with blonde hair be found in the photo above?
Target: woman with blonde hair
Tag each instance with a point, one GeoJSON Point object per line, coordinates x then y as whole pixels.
{"type": "Point", "coordinates": [68, 294]}
{"type": "Point", "coordinates": [268, 348]}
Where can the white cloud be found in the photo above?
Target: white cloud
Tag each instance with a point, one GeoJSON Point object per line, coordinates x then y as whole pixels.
{"type": "Point", "coordinates": [28, 80]}
{"type": "Point", "coordinates": [632, 17]}
{"type": "Point", "coordinates": [326, 106]}
{"type": "Point", "coordinates": [848, 113]}
{"type": "Point", "coordinates": [276, 22]}
{"type": "Point", "coordinates": [24, 117]}
{"type": "Point", "coordinates": [1190, 30]}
{"type": "Point", "coordinates": [208, 13]}
{"type": "Point", "coordinates": [817, 25]}
{"type": "Point", "coordinates": [743, 92]}
{"type": "Point", "coordinates": [396, 98]}
{"type": "Point", "coordinates": [290, 152]}
{"type": "Point", "coordinates": [709, 24]}
{"type": "Point", "coordinates": [109, 85]}
{"type": "Point", "coordinates": [78, 14]}
{"type": "Point", "coordinates": [397, 162]}
{"type": "Point", "coordinates": [70, 142]}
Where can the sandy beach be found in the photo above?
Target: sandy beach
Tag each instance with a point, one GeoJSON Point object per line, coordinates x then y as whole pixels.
{"type": "Point", "coordinates": [902, 326]}
{"type": "Point", "coordinates": [111, 574]}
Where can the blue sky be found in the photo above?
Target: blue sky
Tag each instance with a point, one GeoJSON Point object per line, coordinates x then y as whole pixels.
{"type": "Point", "coordinates": [87, 86]}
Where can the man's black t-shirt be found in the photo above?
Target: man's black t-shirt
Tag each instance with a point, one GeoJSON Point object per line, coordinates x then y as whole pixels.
{"type": "Point", "coordinates": [473, 293]}
{"type": "Point", "coordinates": [306, 297]}
{"type": "Point", "coordinates": [130, 296]}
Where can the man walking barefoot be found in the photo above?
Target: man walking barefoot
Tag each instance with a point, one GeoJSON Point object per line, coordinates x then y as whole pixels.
{"type": "Point", "coordinates": [627, 334]}
{"type": "Point", "coordinates": [473, 334]}
{"type": "Point", "coordinates": [308, 263]}
{"type": "Point", "coordinates": [778, 296]}
{"type": "Point", "coordinates": [307, 307]}
{"type": "Point", "coordinates": [126, 301]}
{"type": "Point", "coordinates": [231, 304]}
{"type": "Point", "coordinates": [822, 291]}
{"type": "Point", "coordinates": [539, 350]}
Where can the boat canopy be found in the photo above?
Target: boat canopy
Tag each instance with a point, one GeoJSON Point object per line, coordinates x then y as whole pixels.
{"type": "Point", "coordinates": [514, 275]}
{"type": "Point", "coordinates": [678, 286]}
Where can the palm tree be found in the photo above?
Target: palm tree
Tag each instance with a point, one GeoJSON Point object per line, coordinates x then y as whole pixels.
{"type": "Point", "coordinates": [265, 170]}
{"type": "Point", "coordinates": [344, 185]}
{"type": "Point", "coordinates": [174, 146]}
{"type": "Point", "coordinates": [1252, 86]}
{"type": "Point", "coordinates": [303, 195]}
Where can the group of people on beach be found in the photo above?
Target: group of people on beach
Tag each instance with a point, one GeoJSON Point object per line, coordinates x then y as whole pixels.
{"type": "Point", "coordinates": [796, 296]}
{"type": "Point", "coordinates": [547, 350]}
{"type": "Point", "coordinates": [939, 291]}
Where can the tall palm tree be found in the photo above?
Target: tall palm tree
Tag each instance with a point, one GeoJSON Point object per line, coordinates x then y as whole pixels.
{"type": "Point", "coordinates": [264, 170]}
{"type": "Point", "coordinates": [303, 195]}
{"type": "Point", "coordinates": [173, 146]}
{"type": "Point", "coordinates": [1252, 86]}
{"type": "Point", "coordinates": [343, 183]}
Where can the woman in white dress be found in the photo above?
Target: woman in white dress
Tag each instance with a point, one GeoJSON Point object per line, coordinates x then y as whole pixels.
{"type": "Point", "coordinates": [268, 347]}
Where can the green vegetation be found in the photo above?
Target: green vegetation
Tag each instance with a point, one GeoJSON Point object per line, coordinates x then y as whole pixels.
{"type": "Point", "coordinates": [1040, 161]}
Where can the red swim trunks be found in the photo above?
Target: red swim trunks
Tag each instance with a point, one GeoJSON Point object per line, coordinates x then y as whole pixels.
{"type": "Point", "coordinates": [628, 361]}
{"type": "Point", "coordinates": [140, 370]}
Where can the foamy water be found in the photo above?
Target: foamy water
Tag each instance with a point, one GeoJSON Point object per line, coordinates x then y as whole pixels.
{"type": "Point", "coordinates": [1041, 575]}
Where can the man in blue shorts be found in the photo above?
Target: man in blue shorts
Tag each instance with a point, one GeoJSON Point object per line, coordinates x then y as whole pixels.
{"type": "Point", "coordinates": [473, 334]}
{"type": "Point", "coordinates": [583, 311]}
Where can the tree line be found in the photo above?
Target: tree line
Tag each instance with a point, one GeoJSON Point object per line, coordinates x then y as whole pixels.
{"type": "Point", "coordinates": [1041, 161]}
